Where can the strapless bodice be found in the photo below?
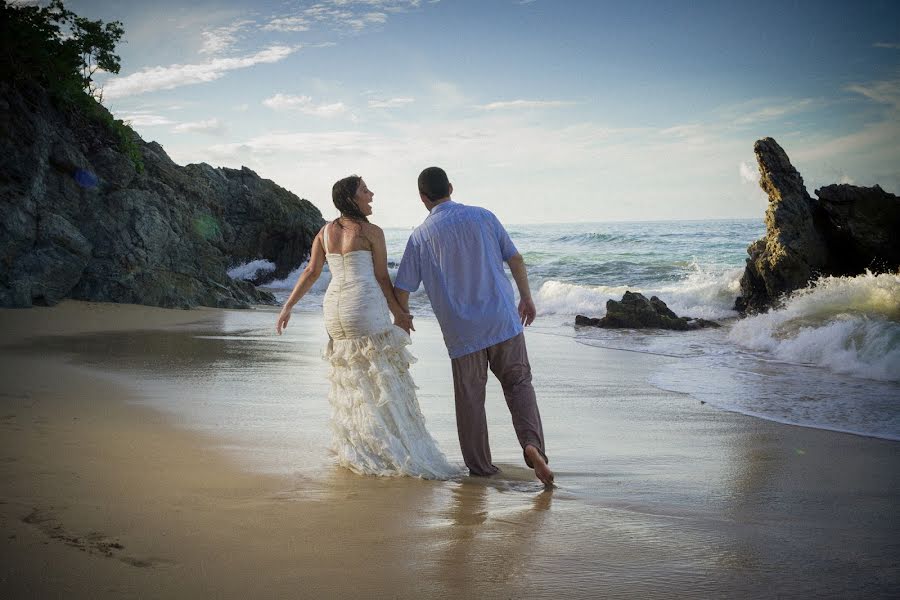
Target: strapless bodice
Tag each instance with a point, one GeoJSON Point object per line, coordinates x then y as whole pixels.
{"type": "Point", "coordinates": [354, 304]}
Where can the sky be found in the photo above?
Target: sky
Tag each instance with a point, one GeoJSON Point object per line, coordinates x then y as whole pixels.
{"type": "Point", "coordinates": [541, 111]}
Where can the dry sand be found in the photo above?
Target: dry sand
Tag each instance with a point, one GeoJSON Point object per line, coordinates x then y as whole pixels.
{"type": "Point", "coordinates": [105, 498]}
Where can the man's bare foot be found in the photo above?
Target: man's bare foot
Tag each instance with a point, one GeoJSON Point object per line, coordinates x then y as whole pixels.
{"type": "Point", "coordinates": [539, 465]}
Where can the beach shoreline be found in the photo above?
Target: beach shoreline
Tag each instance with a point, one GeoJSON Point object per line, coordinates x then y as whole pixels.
{"type": "Point", "coordinates": [107, 496]}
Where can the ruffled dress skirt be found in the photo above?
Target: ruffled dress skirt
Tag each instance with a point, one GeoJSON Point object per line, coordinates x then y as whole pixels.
{"type": "Point", "coordinates": [377, 426]}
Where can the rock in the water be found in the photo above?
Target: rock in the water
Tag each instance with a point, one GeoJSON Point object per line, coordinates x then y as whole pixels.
{"type": "Point", "coordinates": [583, 321]}
{"type": "Point", "coordinates": [861, 227]}
{"type": "Point", "coordinates": [793, 250]}
{"type": "Point", "coordinates": [79, 220]}
{"type": "Point", "coordinates": [847, 230]}
{"type": "Point", "coordinates": [634, 311]}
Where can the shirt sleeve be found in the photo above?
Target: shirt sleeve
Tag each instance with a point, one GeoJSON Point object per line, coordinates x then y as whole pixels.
{"type": "Point", "coordinates": [409, 274]}
{"type": "Point", "coordinates": [507, 248]}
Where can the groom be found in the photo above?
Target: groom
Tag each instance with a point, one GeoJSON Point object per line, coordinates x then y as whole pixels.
{"type": "Point", "coordinates": [458, 252]}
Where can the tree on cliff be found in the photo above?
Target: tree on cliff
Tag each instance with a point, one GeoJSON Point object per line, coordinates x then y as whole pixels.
{"type": "Point", "coordinates": [56, 48]}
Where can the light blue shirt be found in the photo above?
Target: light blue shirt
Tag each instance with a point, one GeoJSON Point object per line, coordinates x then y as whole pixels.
{"type": "Point", "coordinates": [458, 252]}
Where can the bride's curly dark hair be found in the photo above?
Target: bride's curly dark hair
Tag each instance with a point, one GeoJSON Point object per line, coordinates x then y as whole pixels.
{"type": "Point", "coordinates": [343, 193]}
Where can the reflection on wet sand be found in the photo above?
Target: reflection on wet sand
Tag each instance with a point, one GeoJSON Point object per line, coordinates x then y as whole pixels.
{"type": "Point", "coordinates": [488, 528]}
{"type": "Point", "coordinates": [174, 353]}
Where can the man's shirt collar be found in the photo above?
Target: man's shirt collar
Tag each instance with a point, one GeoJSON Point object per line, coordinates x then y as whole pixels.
{"type": "Point", "coordinates": [441, 207]}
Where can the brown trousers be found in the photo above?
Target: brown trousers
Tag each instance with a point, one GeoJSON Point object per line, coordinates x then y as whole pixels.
{"type": "Point", "coordinates": [509, 362]}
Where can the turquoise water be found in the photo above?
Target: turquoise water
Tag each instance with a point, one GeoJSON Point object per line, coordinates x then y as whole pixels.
{"type": "Point", "coordinates": [633, 254]}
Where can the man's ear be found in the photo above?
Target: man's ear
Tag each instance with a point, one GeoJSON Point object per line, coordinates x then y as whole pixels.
{"type": "Point", "coordinates": [450, 186]}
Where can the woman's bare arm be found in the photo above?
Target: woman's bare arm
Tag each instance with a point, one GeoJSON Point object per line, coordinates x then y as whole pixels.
{"type": "Point", "coordinates": [307, 278]}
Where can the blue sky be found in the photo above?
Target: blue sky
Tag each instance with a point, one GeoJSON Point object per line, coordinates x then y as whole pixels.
{"type": "Point", "coordinates": [542, 111]}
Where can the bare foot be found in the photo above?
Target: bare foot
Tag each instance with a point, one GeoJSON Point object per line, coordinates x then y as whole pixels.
{"type": "Point", "coordinates": [539, 465]}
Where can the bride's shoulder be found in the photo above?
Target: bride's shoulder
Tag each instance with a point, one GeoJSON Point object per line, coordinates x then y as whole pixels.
{"type": "Point", "coordinates": [373, 234]}
{"type": "Point", "coordinates": [372, 229]}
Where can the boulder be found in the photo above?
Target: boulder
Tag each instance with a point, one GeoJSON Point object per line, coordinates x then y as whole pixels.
{"type": "Point", "coordinates": [793, 250]}
{"type": "Point", "coordinates": [861, 227]}
{"type": "Point", "coordinates": [635, 311]}
{"type": "Point", "coordinates": [846, 231]}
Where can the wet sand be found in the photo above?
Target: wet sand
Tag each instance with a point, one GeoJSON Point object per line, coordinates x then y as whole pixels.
{"type": "Point", "coordinates": [105, 496]}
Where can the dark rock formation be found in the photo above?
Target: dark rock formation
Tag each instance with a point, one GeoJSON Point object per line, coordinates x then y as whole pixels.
{"type": "Point", "coordinates": [261, 219]}
{"type": "Point", "coordinates": [80, 220]}
{"type": "Point", "coordinates": [846, 231]}
{"type": "Point", "coordinates": [634, 311]}
{"type": "Point", "coordinates": [861, 227]}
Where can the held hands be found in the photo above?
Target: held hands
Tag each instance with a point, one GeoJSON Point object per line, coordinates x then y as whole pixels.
{"type": "Point", "coordinates": [283, 319]}
{"type": "Point", "coordinates": [404, 321]}
{"type": "Point", "coordinates": [527, 311]}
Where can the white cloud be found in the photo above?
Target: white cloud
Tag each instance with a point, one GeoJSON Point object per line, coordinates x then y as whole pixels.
{"type": "Point", "coordinates": [288, 24]}
{"type": "Point", "coordinates": [749, 172]}
{"type": "Point", "coordinates": [152, 107]}
{"type": "Point", "coordinates": [886, 45]}
{"type": "Point", "coordinates": [305, 105]}
{"type": "Point", "coordinates": [883, 92]}
{"type": "Point", "coordinates": [173, 76]}
{"type": "Point", "coordinates": [220, 39]}
{"type": "Point", "coordinates": [689, 133]}
{"type": "Point", "coordinates": [143, 119]}
{"type": "Point", "coordinates": [525, 104]}
{"type": "Point", "coordinates": [447, 94]}
{"type": "Point", "coordinates": [355, 15]}
{"type": "Point", "coordinates": [208, 126]}
{"type": "Point", "coordinates": [358, 22]}
{"type": "Point", "coordinates": [881, 136]}
{"type": "Point", "coordinates": [775, 111]}
{"type": "Point", "coordinates": [311, 145]}
{"type": "Point", "coordinates": [391, 103]}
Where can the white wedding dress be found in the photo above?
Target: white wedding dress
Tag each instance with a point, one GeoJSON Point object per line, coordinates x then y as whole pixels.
{"type": "Point", "coordinates": [377, 426]}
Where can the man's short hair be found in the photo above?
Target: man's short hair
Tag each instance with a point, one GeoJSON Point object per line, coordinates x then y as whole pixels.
{"type": "Point", "coordinates": [433, 183]}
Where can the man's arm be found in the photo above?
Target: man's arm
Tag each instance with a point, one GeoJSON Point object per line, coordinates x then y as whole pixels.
{"type": "Point", "coordinates": [527, 310]}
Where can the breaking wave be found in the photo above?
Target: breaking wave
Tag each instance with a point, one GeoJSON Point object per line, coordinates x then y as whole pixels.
{"type": "Point", "coordinates": [707, 293]}
{"type": "Point", "coordinates": [849, 325]}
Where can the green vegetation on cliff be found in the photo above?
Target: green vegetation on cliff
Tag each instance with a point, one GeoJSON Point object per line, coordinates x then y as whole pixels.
{"type": "Point", "coordinates": [54, 48]}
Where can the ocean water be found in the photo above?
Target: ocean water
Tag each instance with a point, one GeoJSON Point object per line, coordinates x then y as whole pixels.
{"type": "Point", "coordinates": [830, 358]}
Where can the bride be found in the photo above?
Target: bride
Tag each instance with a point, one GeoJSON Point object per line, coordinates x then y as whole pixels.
{"type": "Point", "coordinates": [376, 423]}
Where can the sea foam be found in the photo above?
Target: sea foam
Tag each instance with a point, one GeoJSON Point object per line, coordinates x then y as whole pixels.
{"type": "Point", "coordinates": [849, 325]}
{"type": "Point", "coordinates": [249, 271]}
{"type": "Point", "coordinates": [705, 292]}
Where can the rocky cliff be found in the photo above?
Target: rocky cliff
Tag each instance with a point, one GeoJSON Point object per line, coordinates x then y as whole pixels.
{"type": "Point", "coordinates": [86, 217]}
{"type": "Point", "coordinates": [846, 231]}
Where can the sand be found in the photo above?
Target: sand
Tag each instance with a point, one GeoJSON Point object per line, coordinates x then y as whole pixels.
{"type": "Point", "coordinates": [105, 497]}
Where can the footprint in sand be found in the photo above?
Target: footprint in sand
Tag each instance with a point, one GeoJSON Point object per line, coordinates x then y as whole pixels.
{"type": "Point", "coordinates": [94, 542]}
